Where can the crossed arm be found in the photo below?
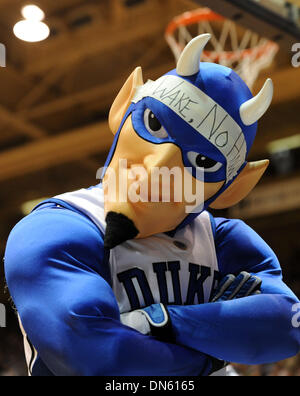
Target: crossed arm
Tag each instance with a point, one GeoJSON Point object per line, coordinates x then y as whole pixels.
{"type": "Point", "coordinates": [251, 330]}
{"type": "Point", "coordinates": [72, 318]}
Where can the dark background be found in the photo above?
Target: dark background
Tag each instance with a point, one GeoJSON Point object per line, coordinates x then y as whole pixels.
{"type": "Point", "coordinates": [54, 102]}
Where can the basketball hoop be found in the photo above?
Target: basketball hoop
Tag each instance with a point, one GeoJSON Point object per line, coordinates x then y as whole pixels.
{"type": "Point", "coordinates": [243, 51]}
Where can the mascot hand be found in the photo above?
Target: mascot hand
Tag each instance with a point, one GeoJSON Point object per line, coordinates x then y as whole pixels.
{"type": "Point", "coordinates": [153, 320]}
{"type": "Point", "coordinates": [243, 285]}
{"type": "Point", "coordinates": [234, 287]}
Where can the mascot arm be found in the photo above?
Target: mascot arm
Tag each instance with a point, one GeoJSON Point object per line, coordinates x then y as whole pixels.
{"type": "Point", "coordinates": [251, 330]}
{"type": "Point", "coordinates": [69, 312]}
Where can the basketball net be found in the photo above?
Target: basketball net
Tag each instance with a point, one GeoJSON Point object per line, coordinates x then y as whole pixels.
{"type": "Point", "coordinates": [243, 51]}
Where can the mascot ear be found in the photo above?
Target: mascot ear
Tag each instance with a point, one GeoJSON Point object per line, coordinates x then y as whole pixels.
{"type": "Point", "coordinates": [242, 186]}
{"type": "Point", "coordinates": [124, 98]}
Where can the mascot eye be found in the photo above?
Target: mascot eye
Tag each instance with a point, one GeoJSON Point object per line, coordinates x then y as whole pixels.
{"type": "Point", "coordinates": [201, 161]}
{"type": "Point", "coordinates": [154, 126]}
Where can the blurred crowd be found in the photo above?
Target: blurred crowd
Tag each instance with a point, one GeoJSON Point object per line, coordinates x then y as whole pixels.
{"type": "Point", "coordinates": [286, 368]}
{"type": "Point", "coordinates": [12, 361]}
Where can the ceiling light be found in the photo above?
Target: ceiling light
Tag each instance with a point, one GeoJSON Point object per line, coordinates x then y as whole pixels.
{"type": "Point", "coordinates": [33, 13]}
{"type": "Point", "coordinates": [32, 29]}
{"type": "Point", "coordinates": [27, 207]}
{"type": "Point", "coordinates": [289, 143]}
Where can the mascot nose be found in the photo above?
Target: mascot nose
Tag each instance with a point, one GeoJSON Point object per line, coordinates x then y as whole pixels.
{"type": "Point", "coordinates": [164, 155]}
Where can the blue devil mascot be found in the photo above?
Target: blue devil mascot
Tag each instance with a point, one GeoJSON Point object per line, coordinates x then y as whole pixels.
{"type": "Point", "coordinates": [144, 286]}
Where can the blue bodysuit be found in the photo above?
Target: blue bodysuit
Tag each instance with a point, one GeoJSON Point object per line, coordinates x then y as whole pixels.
{"type": "Point", "coordinates": [69, 293]}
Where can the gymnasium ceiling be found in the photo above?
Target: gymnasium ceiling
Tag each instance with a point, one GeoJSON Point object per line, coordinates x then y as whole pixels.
{"type": "Point", "coordinates": [55, 95]}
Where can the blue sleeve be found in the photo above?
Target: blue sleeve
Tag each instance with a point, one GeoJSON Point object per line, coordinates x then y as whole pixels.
{"type": "Point", "coordinates": [54, 267]}
{"type": "Point", "coordinates": [252, 330]}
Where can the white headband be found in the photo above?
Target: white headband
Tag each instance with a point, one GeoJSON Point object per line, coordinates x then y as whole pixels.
{"type": "Point", "coordinates": [203, 114]}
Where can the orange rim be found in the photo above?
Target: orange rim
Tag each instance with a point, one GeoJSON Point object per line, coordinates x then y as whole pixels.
{"type": "Point", "coordinates": [205, 14]}
{"type": "Point", "coordinates": [191, 17]}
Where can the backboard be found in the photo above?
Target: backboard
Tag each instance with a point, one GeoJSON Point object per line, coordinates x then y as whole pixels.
{"type": "Point", "coordinates": [278, 20]}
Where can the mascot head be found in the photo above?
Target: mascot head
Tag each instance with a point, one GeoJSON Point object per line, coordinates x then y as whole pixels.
{"type": "Point", "coordinates": [200, 121]}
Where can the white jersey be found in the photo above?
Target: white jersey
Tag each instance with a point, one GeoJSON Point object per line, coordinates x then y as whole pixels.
{"type": "Point", "coordinates": [145, 270]}
{"type": "Point", "coordinates": [181, 270]}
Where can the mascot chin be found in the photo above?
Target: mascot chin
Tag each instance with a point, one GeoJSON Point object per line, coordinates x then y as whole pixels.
{"type": "Point", "coordinates": [134, 276]}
